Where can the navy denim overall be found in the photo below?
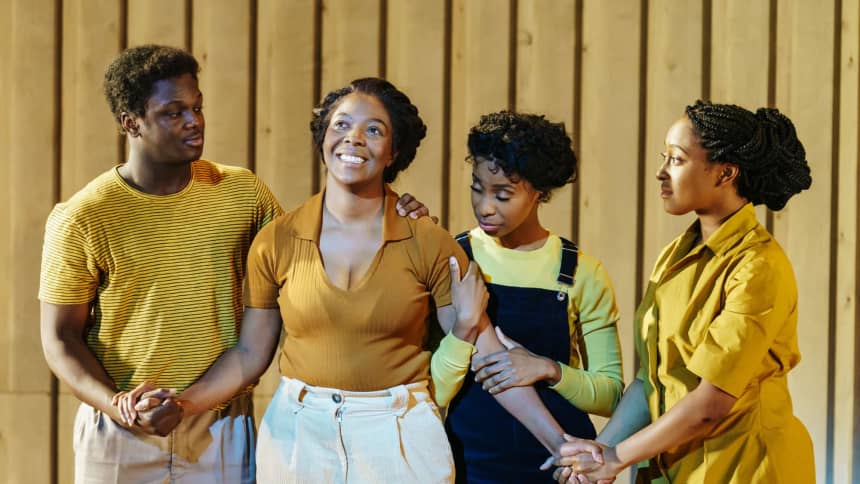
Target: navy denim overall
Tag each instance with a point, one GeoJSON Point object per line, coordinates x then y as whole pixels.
{"type": "Point", "coordinates": [491, 446]}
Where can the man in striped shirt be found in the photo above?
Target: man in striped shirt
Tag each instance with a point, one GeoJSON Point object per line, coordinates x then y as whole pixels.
{"type": "Point", "coordinates": [141, 281]}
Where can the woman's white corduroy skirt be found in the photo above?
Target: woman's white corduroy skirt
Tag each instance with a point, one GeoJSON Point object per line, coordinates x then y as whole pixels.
{"type": "Point", "coordinates": [325, 435]}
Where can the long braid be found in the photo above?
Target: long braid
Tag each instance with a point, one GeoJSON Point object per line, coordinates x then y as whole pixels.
{"type": "Point", "coordinates": [763, 145]}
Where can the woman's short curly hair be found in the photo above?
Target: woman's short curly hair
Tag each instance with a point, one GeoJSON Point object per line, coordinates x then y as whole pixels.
{"type": "Point", "coordinates": [130, 77]}
{"type": "Point", "coordinates": [527, 146]}
{"type": "Point", "coordinates": [764, 145]}
{"type": "Point", "coordinates": [407, 127]}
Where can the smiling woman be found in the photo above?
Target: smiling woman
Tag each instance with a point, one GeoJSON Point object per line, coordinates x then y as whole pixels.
{"type": "Point", "coordinates": [353, 284]}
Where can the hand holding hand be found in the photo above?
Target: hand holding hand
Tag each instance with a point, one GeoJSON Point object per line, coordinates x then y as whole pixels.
{"type": "Point", "coordinates": [407, 205]}
{"type": "Point", "coordinates": [143, 397]}
{"type": "Point", "coordinates": [470, 298]}
{"type": "Point", "coordinates": [161, 419]}
{"type": "Point", "coordinates": [586, 461]}
{"type": "Point", "coordinates": [514, 367]}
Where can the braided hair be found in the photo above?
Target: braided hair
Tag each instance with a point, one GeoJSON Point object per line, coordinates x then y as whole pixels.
{"type": "Point", "coordinates": [408, 128]}
{"type": "Point", "coordinates": [771, 160]}
{"type": "Point", "coordinates": [525, 146]}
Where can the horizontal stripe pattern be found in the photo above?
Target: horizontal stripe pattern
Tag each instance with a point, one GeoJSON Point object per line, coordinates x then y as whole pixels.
{"type": "Point", "coordinates": [163, 273]}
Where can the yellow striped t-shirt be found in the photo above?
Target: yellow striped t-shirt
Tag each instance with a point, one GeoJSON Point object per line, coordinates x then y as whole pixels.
{"type": "Point", "coordinates": [163, 273]}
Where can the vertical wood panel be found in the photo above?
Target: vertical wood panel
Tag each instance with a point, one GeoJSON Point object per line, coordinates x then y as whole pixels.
{"type": "Point", "coordinates": [28, 138]}
{"type": "Point", "coordinates": [479, 85]}
{"type": "Point", "coordinates": [846, 255]}
{"type": "Point", "coordinates": [609, 150]}
{"type": "Point", "coordinates": [90, 139]}
{"type": "Point", "coordinates": [416, 65]}
{"type": "Point", "coordinates": [674, 81]}
{"type": "Point", "coordinates": [350, 44]}
{"type": "Point", "coordinates": [90, 143]}
{"type": "Point", "coordinates": [67, 409]}
{"type": "Point", "coordinates": [740, 54]}
{"type": "Point", "coordinates": [6, 209]}
{"type": "Point", "coordinates": [24, 450]}
{"type": "Point", "coordinates": [221, 43]}
{"type": "Point", "coordinates": [546, 42]}
{"type": "Point", "coordinates": [32, 108]}
{"type": "Point", "coordinates": [285, 87]}
{"type": "Point", "coordinates": [156, 22]}
{"type": "Point", "coordinates": [804, 91]}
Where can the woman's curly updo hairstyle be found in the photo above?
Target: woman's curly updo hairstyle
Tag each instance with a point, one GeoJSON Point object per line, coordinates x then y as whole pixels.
{"type": "Point", "coordinates": [130, 77]}
{"type": "Point", "coordinates": [525, 146]}
{"type": "Point", "coordinates": [407, 127]}
{"type": "Point", "coordinates": [771, 160]}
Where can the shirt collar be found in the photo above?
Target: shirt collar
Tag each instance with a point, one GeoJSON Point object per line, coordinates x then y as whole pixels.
{"type": "Point", "coordinates": [308, 219]}
{"type": "Point", "coordinates": [732, 230]}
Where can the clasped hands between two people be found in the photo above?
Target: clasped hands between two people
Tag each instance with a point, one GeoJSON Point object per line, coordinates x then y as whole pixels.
{"type": "Point", "coordinates": [157, 411]}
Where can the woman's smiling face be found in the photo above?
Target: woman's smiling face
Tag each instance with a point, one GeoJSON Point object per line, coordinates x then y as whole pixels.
{"type": "Point", "coordinates": [358, 141]}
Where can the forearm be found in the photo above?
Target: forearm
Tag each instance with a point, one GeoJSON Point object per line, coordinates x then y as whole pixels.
{"type": "Point", "coordinates": [231, 373]}
{"type": "Point", "coordinates": [448, 367]}
{"type": "Point", "coordinates": [630, 416]}
{"type": "Point", "coordinates": [75, 365]}
{"type": "Point", "coordinates": [690, 419]}
{"type": "Point", "coordinates": [523, 402]}
{"type": "Point", "coordinates": [590, 392]}
{"type": "Point", "coordinates": [240, 366]}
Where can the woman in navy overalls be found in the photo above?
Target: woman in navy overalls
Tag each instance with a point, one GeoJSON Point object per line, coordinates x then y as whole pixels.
{"type": "Point", "coordinates": [553, 305]}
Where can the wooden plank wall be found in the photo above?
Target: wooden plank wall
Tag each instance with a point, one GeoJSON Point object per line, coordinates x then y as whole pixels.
{"type": "Point", "coordinates": [617, 73]}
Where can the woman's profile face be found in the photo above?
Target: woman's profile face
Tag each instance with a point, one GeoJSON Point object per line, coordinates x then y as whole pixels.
{"type": "Point", "coordinates": [358, 141]}
{"type": "Point", "coordinates": [688, 181]}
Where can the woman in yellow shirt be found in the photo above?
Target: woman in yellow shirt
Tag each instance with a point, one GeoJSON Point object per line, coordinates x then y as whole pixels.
{"type": "Point", "coordinates": [717, 328]}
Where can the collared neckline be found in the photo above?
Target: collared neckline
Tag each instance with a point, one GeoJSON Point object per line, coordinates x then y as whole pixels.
{"type": "Point", "coordinates": [737, 226]}
{"type": "Point", "coordinates": [732, 230]}
{"type": "Point", "coordinates": [308, 220]}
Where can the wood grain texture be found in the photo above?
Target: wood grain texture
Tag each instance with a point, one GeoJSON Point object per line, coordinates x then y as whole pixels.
{"type": "Point", "coordinates": [479, 85]}
{"type": "Point", "coordinates": [739, 57]}
{"type": "Point", "coordinates": [350, 45]}
{"type": "Point", "coordinates": [608, 154]}
{"type": "Point", "coordinates": [90, 138]}
{"type": "Point", "coordinates": [32, 108]}
{"type": "Point", "coordinates": [221, 43]}
{"type": "Point", "coordinates": [24, 443]}
{"type": "Point", "coordinates": [845, 402]}
{"type": "Point", "coordinates": [415, 64]}
{"type": "Point", "coordinates": [674, 81]}
{"type": "Point", "coordinates": [156, 22]}
{"type": "Point", "coordinates": [804, 92]}
{"type": "Point", "coordinates": [545, 36]}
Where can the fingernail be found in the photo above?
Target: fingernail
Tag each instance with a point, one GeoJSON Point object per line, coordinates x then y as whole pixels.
{"type": "Point", "coordinates": [413, 215]}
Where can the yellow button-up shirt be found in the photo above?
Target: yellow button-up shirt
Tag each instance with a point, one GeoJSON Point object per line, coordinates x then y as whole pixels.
{"type": "Point", "coordinates": [726, 311]}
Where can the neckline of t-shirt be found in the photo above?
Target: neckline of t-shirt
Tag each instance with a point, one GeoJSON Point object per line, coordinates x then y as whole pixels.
{"type": "Point", "coordinates": [551, 245]}
{"type": "Point", "coordinates": [149, 196]}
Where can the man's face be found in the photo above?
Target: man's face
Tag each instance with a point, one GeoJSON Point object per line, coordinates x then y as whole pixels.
{"type": "Point", "coordinates": [171, 129]}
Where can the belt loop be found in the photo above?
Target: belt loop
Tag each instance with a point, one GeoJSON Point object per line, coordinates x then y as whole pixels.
{"type": "Point", "coordinates": [400, 399]}
{"type": "Point", "coordinates": [294, 390]}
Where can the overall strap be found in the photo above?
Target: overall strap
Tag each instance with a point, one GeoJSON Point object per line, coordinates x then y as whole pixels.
{"type": "Point", "coordinates": [569, 260]}
{"type": "Point", "coordinates": [466, 243]}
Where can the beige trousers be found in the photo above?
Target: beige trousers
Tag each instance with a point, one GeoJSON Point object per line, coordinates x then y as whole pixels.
{"type": "Point", "coordinates": [324, 435]}
{"type": "Point", "coordinates": [213, 447]}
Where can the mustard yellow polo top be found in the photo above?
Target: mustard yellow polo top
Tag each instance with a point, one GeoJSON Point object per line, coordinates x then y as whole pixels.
{"type": "Point", "coordinates": [372, 336]}
{"type": "Point", "coordinates": [726, 311]}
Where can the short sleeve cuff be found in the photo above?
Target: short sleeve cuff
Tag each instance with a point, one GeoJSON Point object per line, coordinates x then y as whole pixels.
{"type": "Point", "coordinates": [718, 369]}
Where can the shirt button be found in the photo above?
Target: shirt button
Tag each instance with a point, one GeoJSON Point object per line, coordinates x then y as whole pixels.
{"type": "Point", "coordinates": [336, 398]}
